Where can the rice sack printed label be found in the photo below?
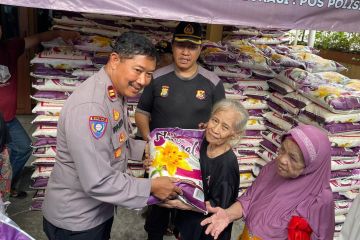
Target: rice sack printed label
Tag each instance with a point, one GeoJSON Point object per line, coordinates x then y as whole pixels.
{"type": "Point", "coordinates": [175, 153]}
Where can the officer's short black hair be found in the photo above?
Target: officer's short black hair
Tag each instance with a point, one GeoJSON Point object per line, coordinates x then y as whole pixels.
{"type": "Point", "coordinates": [4, 134]}
{"type": "Point", "coordinates": [129, 44]}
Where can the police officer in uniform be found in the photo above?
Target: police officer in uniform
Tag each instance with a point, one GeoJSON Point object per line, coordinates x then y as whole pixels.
{"type": "Point", "coordinates": [93, 147]}
{"type": "Point", "coordinates": [181, 95]}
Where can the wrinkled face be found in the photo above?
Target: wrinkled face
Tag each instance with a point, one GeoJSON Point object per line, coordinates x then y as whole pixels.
{"type": "Point", "coordinates": [220, 128]}
{"type": "Point", "coordinates": [185, 54]}
{"type": "Point", "coordinates": [289, 160]}
{"type": "Point", "coordinates": [130, 76]}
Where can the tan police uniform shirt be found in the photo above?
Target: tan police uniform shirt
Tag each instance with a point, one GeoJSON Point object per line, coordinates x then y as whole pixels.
{"type": "Point", "coordinates": [93, 146]}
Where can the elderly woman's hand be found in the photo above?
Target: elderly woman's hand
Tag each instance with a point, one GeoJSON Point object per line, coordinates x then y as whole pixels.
{"type": "Point", "coordinates": [217, 222]}
{"type": "Point", "coordinates": [176, 203]}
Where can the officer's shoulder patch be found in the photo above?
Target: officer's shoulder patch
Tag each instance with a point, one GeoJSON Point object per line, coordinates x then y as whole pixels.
{"type": "Point", "coordinates": [97, 126]}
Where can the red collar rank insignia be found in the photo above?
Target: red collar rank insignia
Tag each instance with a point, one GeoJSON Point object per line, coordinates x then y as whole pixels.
{"type": "Point", "coordinates": [98, 126]}
{"type": "Point", "coordinates": [112, 93]}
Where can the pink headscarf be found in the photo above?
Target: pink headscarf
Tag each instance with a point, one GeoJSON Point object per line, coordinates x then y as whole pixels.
{"type": "Point", "coordinates": [272, 200]}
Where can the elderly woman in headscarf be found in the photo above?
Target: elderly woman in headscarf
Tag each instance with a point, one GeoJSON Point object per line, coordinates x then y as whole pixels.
{"type": "Point", "coordinates": [291, 198]}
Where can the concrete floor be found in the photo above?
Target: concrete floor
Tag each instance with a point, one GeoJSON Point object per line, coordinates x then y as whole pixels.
{"type": "Point", "coordinates": [128, 224]}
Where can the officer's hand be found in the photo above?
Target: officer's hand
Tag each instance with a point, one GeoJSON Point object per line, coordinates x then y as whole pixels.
{"type": "Point", "coordinates": [164, 188]}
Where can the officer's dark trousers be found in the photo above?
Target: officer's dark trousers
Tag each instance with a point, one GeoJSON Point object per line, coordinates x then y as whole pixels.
{"type": "Point", "coordinates": [101, 232]}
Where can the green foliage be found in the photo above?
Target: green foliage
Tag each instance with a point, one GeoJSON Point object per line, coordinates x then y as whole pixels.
{"type": "Point", "coordinates": [339, 41]}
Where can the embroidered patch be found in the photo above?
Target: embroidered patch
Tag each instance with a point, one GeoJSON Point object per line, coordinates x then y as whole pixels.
{"type": "Point", "coordinates": [122, 137]}
{"type": "Point", "coordinates": [164, 91]}
{"type": "Point", "coordinates": [117, 152]}
{"type": "Point", "coordinates": [98, 126]}
{"type": "Point", "coordinates": [189, 29]}
{"type": "Point", "coordinates": [200, 94]}
{"type": "Point", "coordinates": [116, 115]}
{"type": "Point", "coordinates": [111, 93]}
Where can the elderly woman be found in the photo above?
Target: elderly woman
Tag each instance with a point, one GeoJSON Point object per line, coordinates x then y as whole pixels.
{"type": "Point", "coordinates": [291, 198]}
{"type": "Point", "coordinates": [219, 168]}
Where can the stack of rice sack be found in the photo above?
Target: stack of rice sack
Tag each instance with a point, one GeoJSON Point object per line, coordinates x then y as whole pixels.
{"type": "Point", "coordinates": [333, 104]}
{"type": "Point", "coordinates": [112, 26]}
{"type": "Point", "coordinates": [57, 71]}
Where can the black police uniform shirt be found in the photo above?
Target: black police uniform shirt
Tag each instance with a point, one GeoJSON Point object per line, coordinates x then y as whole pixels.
{"type": "Point", "coordinates": [172, 101]}
{"type": "Point", "coordinates": [221, 179]}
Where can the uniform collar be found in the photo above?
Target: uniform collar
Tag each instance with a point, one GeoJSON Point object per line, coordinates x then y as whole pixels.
{"type": "Point", "coordinates": [110, 90]}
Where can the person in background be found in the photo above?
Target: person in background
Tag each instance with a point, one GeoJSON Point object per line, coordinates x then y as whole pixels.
{"type": "Point", "coordinates": [164, 49]}
{"type": "Point", "coordinates": [219, 169]}
{"type": "Point", "coordinates": [93, 146]}
{"type": "Point", "coordinates": [181, 95]}
{"type": "Point", "coordinates": [10, 51]}
{"type": "Point", "coordinates": [291, 198]}
{"type": "Point", "coordinates": [351, 228]}
{"type": "Point", "coordinates": [5, 167]}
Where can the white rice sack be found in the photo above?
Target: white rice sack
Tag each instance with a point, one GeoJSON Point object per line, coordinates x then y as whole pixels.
{"type": "Point", "coordinates": [62, 85]}
{"type": "Point", "coordinates": [256, 93]}
{"type": "Point", "coordinates": [266, 155]}
{"type": "Point", "coordinates": [342, 185]}
{"type": "Point", "coordinates": [342, 207]}
{"type": "Point", "coordinates": [252, 159]}
{"type": "Point", "coordinates": [344, 140]}
{"type": "Point", "coordinates": [42, 171]}
{"type": "Point", "coordinates": [279, 87]}
{"type": "Point", "coordinates": [85, 72]}
{"type": "Point", "coordinates": [252, 103]}
{"type": "Point", "coordinates": [297, 99]}
{"type": "Point", "coordinates": [298, 78]}
{"type": "Point", "coordinates": [45, 131]}
{"type": "Point", "coordinates": [352, 194]}
{"type": "Point", "coordinates": [65, 57]}
{"type": "Point", "coordinates": [325, 116]}
{"type": "Point", "coordinates": [282, 102]}
{"type": "Point", "coordinates": [243, 30]}
{"type": "Point", "coordinates": [340, 218]}
{"type": "Point", "coordinates": [248, 141]}
{"type": "Point", "coordinates": [345, 164]}
{"type": "Point", "coordinates": [45, 108]}
{"type": "Point", "coordinates": [245, 184]}
{"type": "Point", "coordinates": [249, 56]}
{"type": "Point", "coordinates": [269, 40]}
{"type": "Point", "coordinates": [43, 161]}
{"type": "Point", "coordinates": [93, 44]}
{"type": "Point", "coordinates": [255, 124]}
{"type": "Point", "coordinates": [247, 177]}
{"type": "Point", "coordinates": [315, 63]}
{"type": "Point", "coordinates": [49, 152]}
{"type": "Point", "coordinates": [252, 84]}
{"type": "Point", "coordinates": [278, 121]}
{"type": "Point", "coordinates": [233, 71]}
{"type": "Point", "coordinates": [43, 119]}
{"type": "Point", "coordinates": [272, 137]}
{"type": "Point", "coordinates": [73, 21]}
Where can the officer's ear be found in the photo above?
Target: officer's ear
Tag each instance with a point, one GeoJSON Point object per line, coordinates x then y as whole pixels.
{"type": "Point", "coordinates": [114, 59]}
